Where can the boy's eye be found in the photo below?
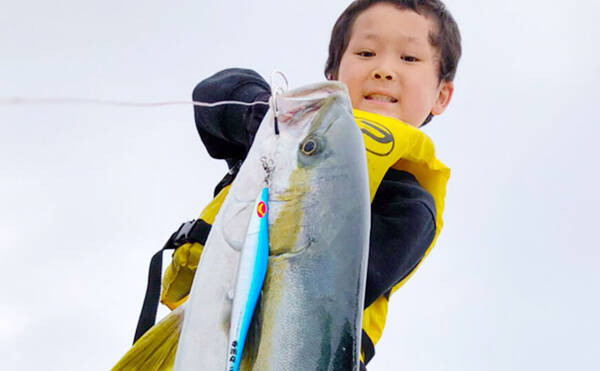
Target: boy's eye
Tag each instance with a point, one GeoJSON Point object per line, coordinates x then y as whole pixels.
{"type": "Point", "coordinates": [365, 53]}
{"type": "Point", "coordinates": [409, 58]}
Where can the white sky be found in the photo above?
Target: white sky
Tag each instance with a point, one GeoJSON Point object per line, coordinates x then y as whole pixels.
{"type": "Point", "coordinates": [89, 193]}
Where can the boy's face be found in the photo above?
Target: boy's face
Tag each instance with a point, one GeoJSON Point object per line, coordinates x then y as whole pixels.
{"type": "Point", "coordinates": [390, 67]}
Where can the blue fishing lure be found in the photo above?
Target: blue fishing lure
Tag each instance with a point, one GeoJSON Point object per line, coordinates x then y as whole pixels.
{"type": "Point", "coordinates": [250, 277]}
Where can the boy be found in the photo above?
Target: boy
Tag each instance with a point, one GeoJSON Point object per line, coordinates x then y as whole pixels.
{"type": "Point", "coordinates": [398, 59]}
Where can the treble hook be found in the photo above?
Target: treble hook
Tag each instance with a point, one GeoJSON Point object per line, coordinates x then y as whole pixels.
{"type": "Point", "coordinates": [268, 166]}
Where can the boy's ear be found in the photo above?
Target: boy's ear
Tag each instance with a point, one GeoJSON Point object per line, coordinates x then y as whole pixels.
{"type": "Point", "coordinates": [444, 95]}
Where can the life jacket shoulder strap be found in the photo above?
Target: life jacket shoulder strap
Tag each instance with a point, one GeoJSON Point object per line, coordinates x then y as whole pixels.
{"type": "Point", "coordinates": [189, 232]}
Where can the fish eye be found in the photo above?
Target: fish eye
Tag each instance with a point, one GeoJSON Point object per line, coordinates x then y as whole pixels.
{"type": "Point", "coordinates": [309, 146]}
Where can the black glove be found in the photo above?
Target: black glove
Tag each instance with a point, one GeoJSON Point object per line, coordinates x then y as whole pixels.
{"type": "Point", "coordinates": [228, 131]}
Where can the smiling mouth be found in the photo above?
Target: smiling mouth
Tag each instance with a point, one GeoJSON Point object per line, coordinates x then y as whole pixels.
{"type": "Point", "coordinates": [381, 98]}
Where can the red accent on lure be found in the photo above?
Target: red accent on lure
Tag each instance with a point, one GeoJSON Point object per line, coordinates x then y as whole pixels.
{"type": "Point", "coordinates": [261, 210]}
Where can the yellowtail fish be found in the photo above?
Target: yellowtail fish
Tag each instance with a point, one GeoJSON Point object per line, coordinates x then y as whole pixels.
{"type": "Point", "coordinates": [308, 316]}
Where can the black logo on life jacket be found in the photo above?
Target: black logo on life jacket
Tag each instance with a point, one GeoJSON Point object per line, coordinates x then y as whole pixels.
{"type": "Point", "coordinates": [381, 135]}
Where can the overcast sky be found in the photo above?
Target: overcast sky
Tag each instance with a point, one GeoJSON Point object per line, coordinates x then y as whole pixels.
{"type": "Point", "coordinates": [89, 193]}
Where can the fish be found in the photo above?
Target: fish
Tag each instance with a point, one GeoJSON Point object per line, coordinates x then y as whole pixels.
{"type": "Point", "coordinates": [309, 313]}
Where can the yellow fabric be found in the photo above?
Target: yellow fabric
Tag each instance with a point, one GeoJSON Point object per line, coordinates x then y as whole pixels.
{"type": "Point", "coordinates": [392, 143]}
{"type": "Point", "coordinates": [389, 143]}
{"type": "Point", "coordinates": [179, 275]}
{"type": "Point", "coordinates": [156, 349]}
{"type": "Point", "coordinates": [374, 319]}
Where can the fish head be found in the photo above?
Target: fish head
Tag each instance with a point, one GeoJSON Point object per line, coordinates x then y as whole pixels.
{"type": "Point", "coordinates": [316, 143]}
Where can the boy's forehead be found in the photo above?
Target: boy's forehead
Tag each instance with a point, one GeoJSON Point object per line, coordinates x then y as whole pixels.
{"type": "Point", "coordinates": [385, 21]}
{"type": "Point", "coordinates": [369, 35]}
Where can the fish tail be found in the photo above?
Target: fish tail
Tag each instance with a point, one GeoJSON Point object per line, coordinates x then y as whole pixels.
{"type": "Point", "coordinates": [157, 348]}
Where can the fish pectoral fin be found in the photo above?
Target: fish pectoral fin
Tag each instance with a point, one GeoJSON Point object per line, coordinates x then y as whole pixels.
{"type": "Point", "coordinates": [157, 348]}
{"type": "Point", "coordinates": [235, 223]}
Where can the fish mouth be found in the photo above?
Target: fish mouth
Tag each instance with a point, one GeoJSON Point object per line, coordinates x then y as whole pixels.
{"type": "Point", "coordinates": [298, 113]}
{"type": "Point", "coordinates": [294, 104]}
{"type": "Point", "coordinates": [317, 91]}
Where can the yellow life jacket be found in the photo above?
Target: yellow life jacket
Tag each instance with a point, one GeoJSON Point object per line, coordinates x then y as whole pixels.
{"type": "Point", "coordinates": [389, 143]}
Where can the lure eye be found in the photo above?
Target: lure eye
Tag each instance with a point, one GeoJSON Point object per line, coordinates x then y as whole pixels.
{"type": "Point", "coordinates": [309, 146]}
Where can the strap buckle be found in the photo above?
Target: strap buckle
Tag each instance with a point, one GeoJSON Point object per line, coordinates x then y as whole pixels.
{"type": "Point", "coordinates": [183, 233]}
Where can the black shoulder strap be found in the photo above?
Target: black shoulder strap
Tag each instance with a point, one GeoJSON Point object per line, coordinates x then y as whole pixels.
{"type": "Point", "coordinates": [192, 231]}
{"type": "Point", "coordinates": [229, 177]}
{"type": "Point", "coordinates": [367, 347]}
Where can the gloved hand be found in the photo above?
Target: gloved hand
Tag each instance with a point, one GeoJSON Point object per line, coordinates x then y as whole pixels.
{"type": "Point", "coordinates": [228, 131]}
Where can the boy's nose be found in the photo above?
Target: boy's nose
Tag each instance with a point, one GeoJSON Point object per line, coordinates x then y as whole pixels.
{"type": "Point", "coordinates": [380, 74]}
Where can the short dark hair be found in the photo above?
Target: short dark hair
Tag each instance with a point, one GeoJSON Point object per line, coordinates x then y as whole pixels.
{"type": "Point", "coordinates": [446, 39]}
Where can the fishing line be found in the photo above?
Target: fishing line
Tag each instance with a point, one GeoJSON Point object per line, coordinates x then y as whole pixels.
{"type": "Point", "coordinates": [28, 101]}
{"type": "Point", "coordinates": [276, 90]}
